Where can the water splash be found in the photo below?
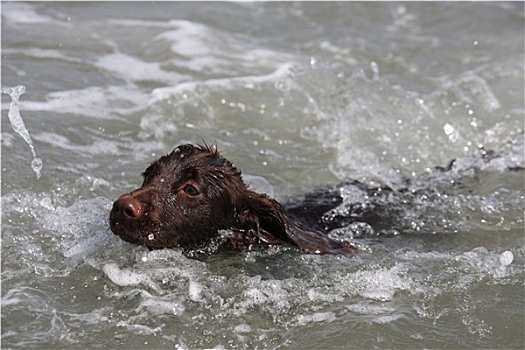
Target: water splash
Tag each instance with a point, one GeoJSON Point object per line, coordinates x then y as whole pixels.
{"type": "Point", "coordinates": [18, 123]}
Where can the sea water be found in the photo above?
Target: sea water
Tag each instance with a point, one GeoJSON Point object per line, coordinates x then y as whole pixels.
{"type": "Point", "coordinates": [299, 96]}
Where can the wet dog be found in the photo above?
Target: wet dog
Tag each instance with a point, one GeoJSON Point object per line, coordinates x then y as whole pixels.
{"type": "Point", "coordinates": [192, 194]}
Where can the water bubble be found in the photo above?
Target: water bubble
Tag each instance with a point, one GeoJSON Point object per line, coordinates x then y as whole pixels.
{"type": "Point", "coordinates": [151, 236]}
{"type": "Point", "coordinates": [375, 71]}
{"type": "Point", "coordinates": [451, 132]}
{"type": "Point", "coordinates": [449, 129]}
{"type": "Point", "coordinates": [36, 164]}
{"type": "Point", "coordinates": [506, 258]}
{"type": "Point", "coordinates": [195, 290]}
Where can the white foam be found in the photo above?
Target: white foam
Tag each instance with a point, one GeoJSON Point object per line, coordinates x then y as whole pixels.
{"type": "Point", "coordinates": [255, 296]}
{"type": "Point", "coordinates": [161, 305]}
{"type": "Point", "coordinates": [195, 290]}
{"type": "Point", "coordinates": [315, 318]}
{"type": "Point", "coordinates": [139, 328]}
{"type": "Point", "coordinates": [202, 49]}
{"type": "Point", "coordinates": [377, 284]}
{"type": "Point", "coordinates": [132, 69]}
{"type": "Point", "coordinates": [105, 103]}
{"type": "Point", "coordinates": [127, 277]}
{"type": "Point", "coordinates": [188, 39]}
{"type": "Point", "coordinates": [97, 147]}
{"type": "Point", "coordinates": [24, 13]}
{"type": "Point", "coordinates": [243, 328]}
{"type": "Point", "coordinates": [160, 94]}
{"type": "Point", "coordinates": [370, 308]}
{"type": "Point", "coordinates": [44, 54]}
{"type": "Point", "coordinates": [506, 258]}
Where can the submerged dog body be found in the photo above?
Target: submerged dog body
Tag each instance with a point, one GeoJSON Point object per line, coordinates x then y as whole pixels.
{"type": "Point", "coordinates": [191, 194]}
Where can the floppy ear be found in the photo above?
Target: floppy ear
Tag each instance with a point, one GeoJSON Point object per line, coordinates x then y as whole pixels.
{"type": "Point", "coordinates": [268, 220]}
{"type": "Point", "coordinates": [263, 216]}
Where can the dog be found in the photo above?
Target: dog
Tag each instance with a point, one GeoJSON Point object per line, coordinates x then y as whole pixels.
{"type": "Point", "coordinates": [192, 194]}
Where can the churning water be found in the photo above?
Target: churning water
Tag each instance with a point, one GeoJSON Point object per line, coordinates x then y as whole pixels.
{"type": "Point", "coordinates": [304, 95]}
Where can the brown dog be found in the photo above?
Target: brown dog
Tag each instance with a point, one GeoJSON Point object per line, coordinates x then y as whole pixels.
{"type": "Point", "coordinates": [191, 194]}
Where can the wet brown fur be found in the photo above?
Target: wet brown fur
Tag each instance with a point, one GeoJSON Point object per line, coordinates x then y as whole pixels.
{"type": "Point", "coordinates": [191, 194]}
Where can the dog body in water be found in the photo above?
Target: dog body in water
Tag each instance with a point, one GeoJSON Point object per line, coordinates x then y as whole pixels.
{"type": "Point", "coordinates": [191, 194]}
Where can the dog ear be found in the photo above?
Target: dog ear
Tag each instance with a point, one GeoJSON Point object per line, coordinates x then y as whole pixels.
{"type": "Point", "coordinates": [263, 216]}
{"type": "Point", "coordinates": [316, 242]}
{"type": "Point", "coordinates": [269, 221]}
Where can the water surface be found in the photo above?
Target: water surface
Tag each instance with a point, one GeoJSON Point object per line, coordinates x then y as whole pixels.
{"type": "Point", "coordinates": [304, 95]}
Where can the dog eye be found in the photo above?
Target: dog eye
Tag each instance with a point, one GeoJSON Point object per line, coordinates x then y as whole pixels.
{"type": "Point", "coordinates": [191, 190]}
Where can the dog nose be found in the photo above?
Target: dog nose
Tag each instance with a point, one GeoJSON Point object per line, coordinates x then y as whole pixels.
{"type": "Point", "coordinates": [128, 207]}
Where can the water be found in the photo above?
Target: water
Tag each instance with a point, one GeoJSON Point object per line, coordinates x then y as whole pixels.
{"type": "Point", "coordinates": [18, 124]}
{"type": "Point", "coordinates": [299, 96]}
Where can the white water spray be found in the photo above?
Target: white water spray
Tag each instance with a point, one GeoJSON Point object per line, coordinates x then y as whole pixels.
{"type": "Point", "coordinates": [18, 124]}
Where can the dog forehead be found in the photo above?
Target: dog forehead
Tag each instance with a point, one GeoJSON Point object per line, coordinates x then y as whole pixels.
{"type": "Point", "coordinates": [193, 162]}
{"type": "Point", "coordinates": [189, 159]}
{"type": "Point", "coordinates": [183, 151]}
{"type": "Point", "coordinates": [189, 152]}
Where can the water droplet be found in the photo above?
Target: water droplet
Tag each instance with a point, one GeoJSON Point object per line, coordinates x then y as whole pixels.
{"type": "Point", "coordinates": [506, 258]}
{"type": "Point", "coordinates": [36, 164]}
{"type": "Point", "coordinates": [151, 236]}
{"type": "Point", "coordinates": [449, 129]}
